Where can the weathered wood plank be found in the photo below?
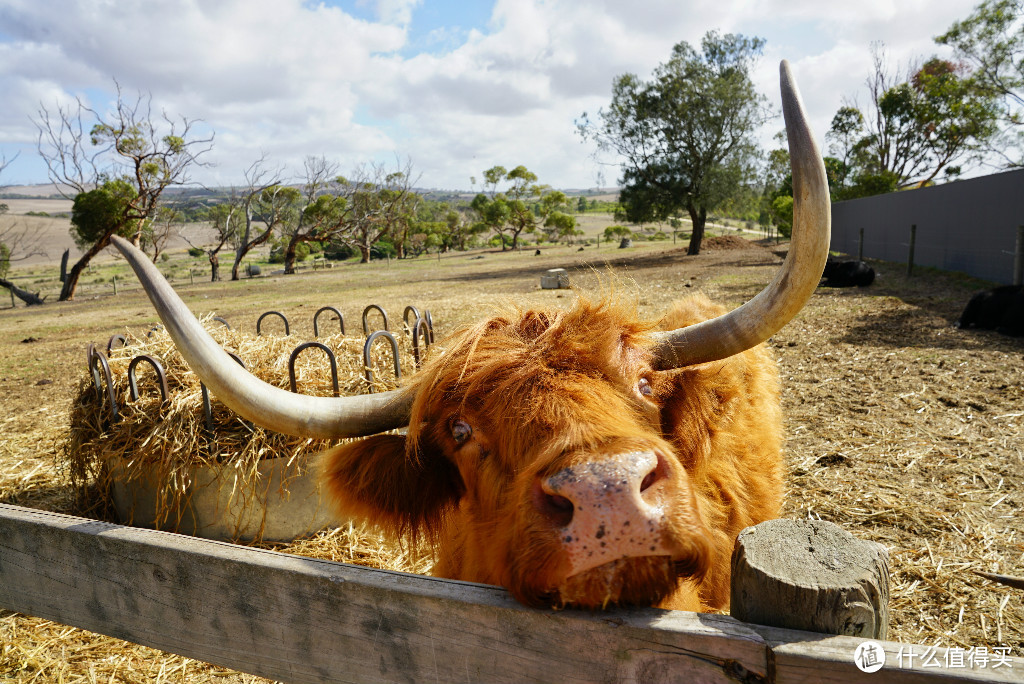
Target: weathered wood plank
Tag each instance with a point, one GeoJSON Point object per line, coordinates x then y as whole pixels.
{"type": "Point", "coordinates": [303, 620]}
{"type": "Point", "coordinates": [812, 658]}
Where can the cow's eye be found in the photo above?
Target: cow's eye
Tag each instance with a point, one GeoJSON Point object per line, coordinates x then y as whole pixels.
{"type": "Point", "coordinates": [461, 431]}
{"type": "Point", "coordinates": [644, 387]}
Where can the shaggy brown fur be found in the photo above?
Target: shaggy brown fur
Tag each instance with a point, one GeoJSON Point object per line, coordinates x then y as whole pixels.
{"type": "Point", "coordinates": [518, 398]}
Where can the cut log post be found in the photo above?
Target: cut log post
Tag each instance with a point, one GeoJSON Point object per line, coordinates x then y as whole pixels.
{"type": "Point", "coordinates": [811, 575]}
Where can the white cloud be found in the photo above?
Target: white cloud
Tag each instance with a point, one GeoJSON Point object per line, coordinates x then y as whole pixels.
{"type": "Point", "coordinates": [293, 78]}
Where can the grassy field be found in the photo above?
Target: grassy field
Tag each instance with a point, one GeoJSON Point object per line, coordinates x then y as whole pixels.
{"type": "Point", "coordinates": [900, 428]}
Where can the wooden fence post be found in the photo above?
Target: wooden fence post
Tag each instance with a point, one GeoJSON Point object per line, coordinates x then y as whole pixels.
{"type": "Point", "coordinates": [810, 575]}
{"type": "Point", "coordinates": [910, 255]}
{"type": "Point", "coordinates": [114, 280]}
{"type": "Point", "coordinates": [1018, 258]}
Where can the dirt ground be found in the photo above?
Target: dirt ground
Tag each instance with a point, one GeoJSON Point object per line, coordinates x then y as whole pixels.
{"type": "Point", "coordinates": [901, 429]}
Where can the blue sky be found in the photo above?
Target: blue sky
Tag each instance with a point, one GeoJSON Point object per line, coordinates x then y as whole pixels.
{"type": "Point", "coordinates": [454, 87]}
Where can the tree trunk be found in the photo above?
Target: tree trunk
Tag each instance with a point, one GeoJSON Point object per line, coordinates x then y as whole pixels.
{"type": "Point", "coordinates": [215, 268]}
{"type": "Point", "coordinates": [27, 297]}
{"type": "Point", "coordinates": [289, 256]}
{"type": "Point", "coordinates": [364, 254]}
{"type": "Point", "coordinates": [67, 291]}
{"type": "Point", "coordinates": [698, 216]}
{"type": "Point", "coordinates": [245, 247]}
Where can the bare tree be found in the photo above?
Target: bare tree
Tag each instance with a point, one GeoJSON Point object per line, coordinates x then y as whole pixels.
{"type": "Point", "coordinates": [379, 200]}
{"type": "Point", "coordinates": [224, 219]}
{"type": "Point", "coordinates": [16, 244]}
{"type": "Point", "coordinates": [319, 213]}
{"type": "Point", "coordinates": [115, 173]}
{"type": "Point", "coordinates": [261, 189]}
{"type": "Point", "coordinates": [159, 229]}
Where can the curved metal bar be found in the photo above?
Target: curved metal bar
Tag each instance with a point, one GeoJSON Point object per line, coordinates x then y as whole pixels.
{"type": "Point", "coordinates": [367, 367]}
{"type": "Point", "coordinates": [207, 407]}
{"type": "Point", "coordinates": [93, 357]}
{"type": "Point", "coordinates": [330, 357]}
{"type": "Point", "coordinates": [114, 338]}
{"type": "Point", "coordinates": [133, 388]}
{"type": "Point", "coordinates": [430, 324]}
{"type": "Point", "coordinates": [259, 321]}
{"type": "Point", "coordinates": [341, 319]}
{"type": "Point", "coordinates": [226, 324]}
{"type": "Point", "coordinates": [405, 316]}
{"type": "Point", "coordinates": [89, 351]}
{"type": "Point", "coordinates": [366, 330]}
{"type": "Point", "coordinates": [274, 408]}
{"type": "Point", "coordinates": [207, 410]}
{"type": "Point", "coordinates": [419, 328]}
{"type": "Point", "coordinates": [154, 329]}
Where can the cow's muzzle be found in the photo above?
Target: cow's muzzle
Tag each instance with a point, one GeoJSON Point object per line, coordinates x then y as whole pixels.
{"type": "Point", "coordinates": [608, 510]}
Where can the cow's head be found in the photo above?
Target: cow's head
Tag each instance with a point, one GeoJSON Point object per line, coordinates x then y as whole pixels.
{"type": "Point", "coordinates": [537, 455]}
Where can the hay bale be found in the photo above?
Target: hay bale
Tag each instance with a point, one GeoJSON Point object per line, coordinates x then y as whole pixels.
{"type": "Point", "coordinates": [159, 466]}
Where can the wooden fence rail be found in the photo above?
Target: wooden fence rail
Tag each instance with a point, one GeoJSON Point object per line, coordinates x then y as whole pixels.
{"type": "Point", "coordinates": [298, 619]}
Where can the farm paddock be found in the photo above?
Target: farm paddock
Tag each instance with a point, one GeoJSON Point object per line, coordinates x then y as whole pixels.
{"type": "Point", "coordinates": [900, 428]}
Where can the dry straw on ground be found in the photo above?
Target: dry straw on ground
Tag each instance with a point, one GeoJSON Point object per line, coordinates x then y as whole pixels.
{"type": "Point", "coordinates": [167, 441]}
{"type": "Point", "coordinates": [900, 428]}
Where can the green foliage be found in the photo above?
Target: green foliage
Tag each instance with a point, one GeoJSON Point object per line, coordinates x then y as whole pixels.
{"type": "Point", "coordinates": [338, 251]}
{"type": "Point", "coordinates": [278, 249]}
{"type": "Point", "coordinates": [383, 249]}
{"type": "Point", "coordinates": [991, 42]}
{"type": "Point", "coordinates": [916, 129]}
{"type": "Point", "coordinates": [612, 232]}
{"type": "Point", "coordinates": [102, 211]}
{"type": "Point", "coordinates": [195, 252]}
{"type": "Point", "coordinates": [782, 214]}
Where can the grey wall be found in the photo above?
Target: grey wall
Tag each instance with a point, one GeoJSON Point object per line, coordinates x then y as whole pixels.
{"type": "Point", "coordinates": [968, 225]}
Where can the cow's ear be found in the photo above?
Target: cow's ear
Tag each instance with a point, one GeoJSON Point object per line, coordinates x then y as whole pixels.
{"type": "Point", "coordinates": [375, 479]}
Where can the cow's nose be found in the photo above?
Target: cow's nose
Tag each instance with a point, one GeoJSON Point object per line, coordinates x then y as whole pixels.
{"type": "Point", "coordinates": [605, 510]}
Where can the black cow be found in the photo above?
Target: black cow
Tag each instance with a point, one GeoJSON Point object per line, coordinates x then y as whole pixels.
{"type": "Point", "coordinates": [1000, 309]}
{"type": "Point", "coordinates": [848, 274]}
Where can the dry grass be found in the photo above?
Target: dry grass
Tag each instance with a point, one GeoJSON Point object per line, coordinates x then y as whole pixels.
{"type": "Point", "coordinates": [909, 432]}
{"type": "Point", "coordinates": [901, 429]}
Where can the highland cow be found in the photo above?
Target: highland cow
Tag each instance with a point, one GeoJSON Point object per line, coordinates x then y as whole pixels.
{"type": "Point", "coordinates": [585, 457]}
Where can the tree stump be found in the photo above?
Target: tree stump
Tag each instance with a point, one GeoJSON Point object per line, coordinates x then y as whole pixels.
{"type": "Point", "coordinates": [810, 575]}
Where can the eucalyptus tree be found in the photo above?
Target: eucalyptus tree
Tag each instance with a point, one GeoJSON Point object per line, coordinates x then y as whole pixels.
{"type": "Point", "coordinates": [115, 167]}
{"type": "Point", "coordinates": [686, 137]}
{"type": "Point", "coordinates": [990, 41]}
{"type": "Point", "coordinates": [259, 196]}
{"type": "Point", "coordinates": [931, 120]}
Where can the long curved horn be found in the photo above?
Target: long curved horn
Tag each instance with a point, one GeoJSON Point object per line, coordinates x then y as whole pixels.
{"type": "Point", "coordinates": [270, 407]}
{"type": "Point", "coordinates": [773, 307]}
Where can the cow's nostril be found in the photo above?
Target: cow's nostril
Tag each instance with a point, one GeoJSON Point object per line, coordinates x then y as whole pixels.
{"type": "Point", "coordinates": [658, 472]}
{"type": "Point", "coordinates": [555, 507]}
